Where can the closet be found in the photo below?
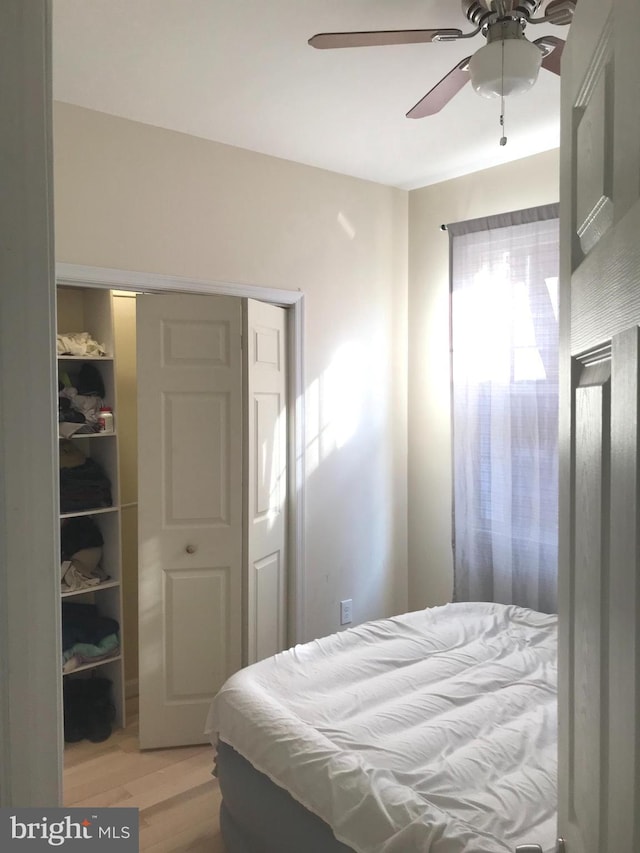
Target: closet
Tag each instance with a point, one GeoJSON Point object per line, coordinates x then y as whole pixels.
{"type": "Point", "coordinates": [191, 613]}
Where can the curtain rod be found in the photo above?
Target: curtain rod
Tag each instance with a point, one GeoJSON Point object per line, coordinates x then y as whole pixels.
{"type": "Point", "coordinates": [503, 220]}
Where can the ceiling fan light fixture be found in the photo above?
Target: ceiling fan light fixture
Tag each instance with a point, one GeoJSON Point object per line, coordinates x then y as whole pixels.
{"type": "Point", "coordinates": [505, 67]}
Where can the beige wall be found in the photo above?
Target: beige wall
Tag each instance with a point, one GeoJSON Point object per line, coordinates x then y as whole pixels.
{"type": "Point", "coordinates": [131, 196]}
{"type": "Point", "coordinates": [514, 186]}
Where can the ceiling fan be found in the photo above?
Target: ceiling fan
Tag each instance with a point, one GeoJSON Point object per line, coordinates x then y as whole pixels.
{"type": "Point", "coordinates": [506, 65]}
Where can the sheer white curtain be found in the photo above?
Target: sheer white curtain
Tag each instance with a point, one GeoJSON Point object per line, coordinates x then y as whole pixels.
{"type": "Point", "coordinates": [504, 333]}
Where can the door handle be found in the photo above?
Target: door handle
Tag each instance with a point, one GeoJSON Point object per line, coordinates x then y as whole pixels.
{"type": "Point", "coordinates": [190, 549]}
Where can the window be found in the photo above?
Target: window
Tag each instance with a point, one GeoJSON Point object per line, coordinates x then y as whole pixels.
{"type": "Point", "coordinates": [504, 334]}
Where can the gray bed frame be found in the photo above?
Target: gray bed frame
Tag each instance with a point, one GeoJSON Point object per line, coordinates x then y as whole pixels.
{"type": "Point", "coordinates": [257, 816]}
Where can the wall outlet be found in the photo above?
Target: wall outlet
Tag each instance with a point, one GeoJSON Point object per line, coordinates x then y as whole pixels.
{"type": "Point", "coordinates": [346, 611]}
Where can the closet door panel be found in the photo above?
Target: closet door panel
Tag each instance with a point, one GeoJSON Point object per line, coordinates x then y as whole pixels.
{"type": "Point", "coordinates": [190, 510]}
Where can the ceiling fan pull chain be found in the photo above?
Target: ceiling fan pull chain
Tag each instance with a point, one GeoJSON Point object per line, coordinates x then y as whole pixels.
{"type": "Point", "coordinates": [503, 138]}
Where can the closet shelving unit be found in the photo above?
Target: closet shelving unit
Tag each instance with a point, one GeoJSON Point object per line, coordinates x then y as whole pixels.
{"type": "Point", "coordinates": [86, 309]}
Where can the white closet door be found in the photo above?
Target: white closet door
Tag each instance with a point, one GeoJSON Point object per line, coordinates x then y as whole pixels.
{"type": "Point", "coordinates": [190, 509]}
{"type": "Point", "coordinates": [266, 470]}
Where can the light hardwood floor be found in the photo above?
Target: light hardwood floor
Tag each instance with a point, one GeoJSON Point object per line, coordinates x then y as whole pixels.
{"type": "Point", "coordinates": [173, 788]}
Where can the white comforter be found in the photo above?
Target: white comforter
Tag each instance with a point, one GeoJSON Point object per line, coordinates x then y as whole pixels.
{"type": "Point", "coordinates": [432, 731]}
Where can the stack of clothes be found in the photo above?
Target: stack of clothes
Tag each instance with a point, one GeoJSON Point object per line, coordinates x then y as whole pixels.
{"type": "Point", "coordinates": [87, 637]}
{"type": "Point", "coordinates": [83, 482]}
{"type": "Point", "coordinates": [78, 343]}
{"type": "Point", "coordinates": [81, 554]}
{"type": "Point", "coordinates": [80, 396]}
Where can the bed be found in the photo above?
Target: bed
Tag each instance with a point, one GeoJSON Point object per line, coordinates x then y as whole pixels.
{"type": "Point", "coordinates": [432, 731]}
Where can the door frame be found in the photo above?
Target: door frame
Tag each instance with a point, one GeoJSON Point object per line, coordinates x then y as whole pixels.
{"type": "Point", "coordinates": [30, 665]}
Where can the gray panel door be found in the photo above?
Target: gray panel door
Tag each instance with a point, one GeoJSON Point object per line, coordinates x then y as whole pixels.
{"type": "Point", "coordinates": [599, 672]}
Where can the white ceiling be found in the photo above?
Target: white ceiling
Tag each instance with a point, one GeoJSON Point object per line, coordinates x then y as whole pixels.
{"type": "Point", "coordinates": [241, 72]}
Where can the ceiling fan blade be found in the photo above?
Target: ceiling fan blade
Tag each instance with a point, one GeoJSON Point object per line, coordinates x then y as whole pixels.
{"type": "Point", "coordinates": [560, 12]}
{"type": "Point", "coordinates": [554, 46]}
{"type": "Point", "coordinates": [442, 92]}
{"type": "Point", "coordinates": [381, 37]}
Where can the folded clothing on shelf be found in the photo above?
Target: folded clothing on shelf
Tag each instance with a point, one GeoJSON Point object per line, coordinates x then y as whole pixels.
{"type": "Point", "coordinates": [80, 397]}
{"type": "Point", "coordinates": [82, 623]}
{"type": "Point", "coordinates": [78, 343]}
{"type": "Point", "coordinates": [81, 653]}
{"type": "Point", "coordinates": [83, 482]}
{"type": "Point", "coordinates": [81, 544]}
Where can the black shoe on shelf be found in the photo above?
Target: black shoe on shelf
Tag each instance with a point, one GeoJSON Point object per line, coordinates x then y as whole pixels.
{"type": "Point", "coordinates": [88, 709]}
{"type": "Point", "coordinates": [100, 710]}
{"type": "Point", "coordinates": [73, 710]}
